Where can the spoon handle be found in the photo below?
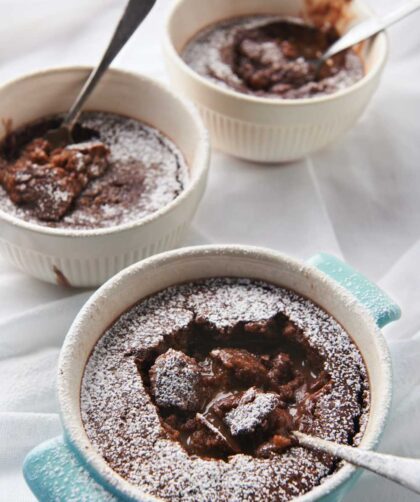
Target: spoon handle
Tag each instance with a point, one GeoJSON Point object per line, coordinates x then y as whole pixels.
{"type": "Point", "coordinates": [404, 471]}
{"type": "Point", "coordinates": [400, 13]}
{"type": "Point", "coordinates": [134, 14]}
{"type": "Point", "coordinates": [370, 27]}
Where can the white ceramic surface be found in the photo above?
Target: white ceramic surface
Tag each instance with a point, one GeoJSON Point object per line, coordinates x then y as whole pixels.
{"type": "Point", "coordinates": [157, 273]}
{"type": "Point", "coordinates": [259, 129]}
{"type": "Point", "coordinates": [87, 258]}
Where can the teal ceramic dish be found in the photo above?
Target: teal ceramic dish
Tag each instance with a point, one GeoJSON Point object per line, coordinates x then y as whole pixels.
{"type": "Point", "coordinates": [69, 469]}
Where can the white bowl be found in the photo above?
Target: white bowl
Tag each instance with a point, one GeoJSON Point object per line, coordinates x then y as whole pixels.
{"type": "Point", "coordinates": [71, 465]}
{"type": "Point", "coordinates": [87, 258]}
{"type": "Point", "coordinates": [260, 129]}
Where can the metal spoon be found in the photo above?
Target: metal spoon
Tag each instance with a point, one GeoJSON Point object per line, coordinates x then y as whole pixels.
{"type": "Point", "coordinates": [366, 29]}
{"type": "Point", "coordinates": [404, 471]}
{"type": "Point", "coordinates": [134, 14]}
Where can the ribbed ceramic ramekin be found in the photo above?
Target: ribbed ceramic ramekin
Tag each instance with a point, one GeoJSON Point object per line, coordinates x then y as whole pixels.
{"type": "Point", "coordinates": [260, 129]}
{"type": "Point", "coordinates": [87, 258]}
{"type": "Point", "coordinates": [70, 468]}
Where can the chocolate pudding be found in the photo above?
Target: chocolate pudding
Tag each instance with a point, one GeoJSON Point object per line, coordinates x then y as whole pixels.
{"type": "Point", "coordinates": [118, 171]}
{"type": "Point", "coordinates": [272, 57]}
{"type": "Point", "coordinates": [194, 392]}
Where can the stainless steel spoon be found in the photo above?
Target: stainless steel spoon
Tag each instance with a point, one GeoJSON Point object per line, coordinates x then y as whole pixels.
{"type": "Point", "coordinates": [134, 14]}
{"type": "Point", "coordinates": [404, 471]}
{"type": "Point", "coordinates": [372, 26]}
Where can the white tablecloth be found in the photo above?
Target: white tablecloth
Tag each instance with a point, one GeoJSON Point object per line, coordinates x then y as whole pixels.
{"type": "Point", "coordinates": [359, 199]}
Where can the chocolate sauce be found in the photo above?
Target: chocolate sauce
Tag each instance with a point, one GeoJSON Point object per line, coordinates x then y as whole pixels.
{"type": "Point", "coordinates": [117, 171]}
{"type": "Point", "coordinates": [203, 382]}
{"type": "Point", "coordinates": [193, 392]}
{"type": "Point", "coordinates": [268, 56]}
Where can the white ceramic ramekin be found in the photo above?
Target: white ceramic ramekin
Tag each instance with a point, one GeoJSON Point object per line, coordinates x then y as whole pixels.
{"type": "Point", "coordinates": [70, 467]}
{"type": "Point", "coordinates": [87, 258]}
{"type": "Point", "coordinates": [259, 129]}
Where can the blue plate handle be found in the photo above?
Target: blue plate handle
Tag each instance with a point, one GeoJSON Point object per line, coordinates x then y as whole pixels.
{"type": "Point", "coordinates": [382, 308]}
{"type": "Point", "coordinates": [55, 474]}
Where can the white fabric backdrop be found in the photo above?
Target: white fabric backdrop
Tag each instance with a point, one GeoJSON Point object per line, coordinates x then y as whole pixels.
{"type": "Point", "coordinates": [358, 199]}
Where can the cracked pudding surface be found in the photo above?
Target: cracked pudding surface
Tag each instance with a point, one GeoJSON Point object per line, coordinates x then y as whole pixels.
{"type": "Point", "coordinates": [118, 171]}
{"type": "Point", "coordinates": [193, 392]}
{"type": "Point", "coordinates": [272, 57]}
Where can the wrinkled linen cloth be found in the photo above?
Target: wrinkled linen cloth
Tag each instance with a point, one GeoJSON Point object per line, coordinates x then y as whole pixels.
{"type": "Point", "coordinates": [359, 199]}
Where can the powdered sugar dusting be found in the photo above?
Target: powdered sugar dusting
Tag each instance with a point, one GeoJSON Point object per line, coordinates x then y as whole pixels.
{"type": "Point", "coordinates": [176, 380]}
{"type": "Point", "coordinates": [252, 409]}
{"type": "Point", "coordinates": [146, 172]}
{"type": "Point", "coordinates": [210, 53]}
{"type": "Point", "coordinates": [123, 425]}
{"type": "Point", "coordinates": [203, 52]}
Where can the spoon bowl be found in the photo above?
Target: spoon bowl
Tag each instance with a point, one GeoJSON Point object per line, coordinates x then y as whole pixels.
{"type": "Point", "coordinates": [59, 137]}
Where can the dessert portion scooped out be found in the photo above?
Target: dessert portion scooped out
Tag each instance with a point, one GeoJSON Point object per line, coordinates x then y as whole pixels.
{"type": "Point", "coordinates": [192, 394]}
{"type": "Point", "coordinates": [242, 392]}
{"type": "Point", "coordinates": [272, 57]}
{"type": "Point", "coordinates": [48, 180]}
{"type": "Point", "coordinates": [118, 170]}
